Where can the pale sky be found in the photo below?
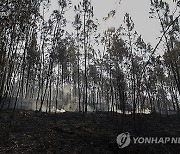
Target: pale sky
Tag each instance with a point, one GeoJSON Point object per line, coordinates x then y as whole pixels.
{"type": "Point", "coordinates": [138, 10]}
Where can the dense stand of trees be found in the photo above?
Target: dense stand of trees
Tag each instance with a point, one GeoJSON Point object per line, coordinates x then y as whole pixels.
{"type": "Point", "coordinates": [41, 61]}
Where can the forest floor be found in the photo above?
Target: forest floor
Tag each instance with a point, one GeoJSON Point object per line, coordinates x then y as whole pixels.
{"type": "Point", "coordinates": [75, 133]}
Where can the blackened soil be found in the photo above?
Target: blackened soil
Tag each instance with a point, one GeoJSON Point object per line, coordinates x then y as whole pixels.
{"type": "Point", "coordinates": [76, 133]}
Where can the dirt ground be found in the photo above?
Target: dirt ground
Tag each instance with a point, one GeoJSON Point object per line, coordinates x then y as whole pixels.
{"type": "Point", "coordinates": [75, 133]}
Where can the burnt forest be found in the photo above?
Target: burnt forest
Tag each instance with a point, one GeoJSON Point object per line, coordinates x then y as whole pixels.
{"type": "Point", "coordinates": [78, 77]}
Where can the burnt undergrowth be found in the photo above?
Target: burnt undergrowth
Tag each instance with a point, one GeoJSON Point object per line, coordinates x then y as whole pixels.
{"type": "Point", "coordinates": [72, 132]}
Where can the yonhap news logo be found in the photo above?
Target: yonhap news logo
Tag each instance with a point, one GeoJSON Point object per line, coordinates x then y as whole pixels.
{"type": "Point", "coordinates": [124, 139]}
